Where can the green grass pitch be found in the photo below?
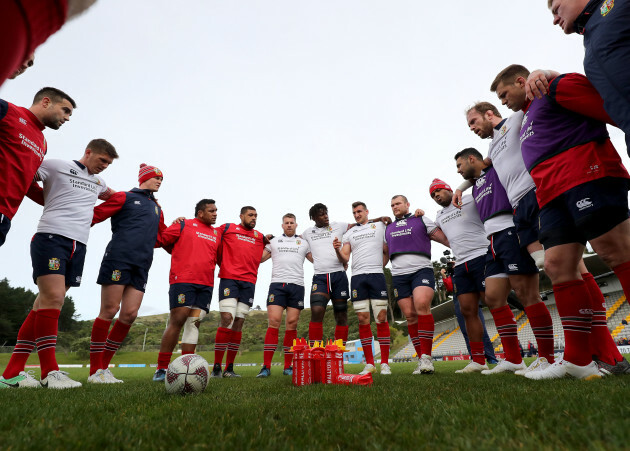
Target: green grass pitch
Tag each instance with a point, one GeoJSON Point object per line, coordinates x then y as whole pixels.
{"type": "Point", "coordinates": [401, 411]}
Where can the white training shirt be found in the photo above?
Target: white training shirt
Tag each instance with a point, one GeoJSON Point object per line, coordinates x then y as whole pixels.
{"type": "Point", "coordinates": [70, 193]}
{"type": "Point", "coordinates": [321, 241]}
{"type": "Point", "coordinates": [464, 230]}
{"type": "Point", "coordinates": [410, 263]}
{"type": "Point", "coordinates": [507, 159]}
{"type": "Point", "coordinates": [366, 242]}
{"type": "Point", "coordinates": [287, 258]}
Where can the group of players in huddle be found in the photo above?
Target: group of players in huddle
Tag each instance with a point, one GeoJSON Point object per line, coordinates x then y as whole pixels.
{"type": "Point", "coordinates": [551, 181]}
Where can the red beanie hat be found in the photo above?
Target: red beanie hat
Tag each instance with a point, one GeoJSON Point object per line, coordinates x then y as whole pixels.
{"type": "Point", "coordinates": [147, 173]}
{"type": "Point", "coordinates": [438, 184]}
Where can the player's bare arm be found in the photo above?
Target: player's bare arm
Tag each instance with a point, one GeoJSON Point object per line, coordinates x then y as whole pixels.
{"type": "Point", "coordinates": [343, 251]}
{"type": "Point", "coordinates": [439, 237]}
{"type": "Point", "coordinates": [265, 256]}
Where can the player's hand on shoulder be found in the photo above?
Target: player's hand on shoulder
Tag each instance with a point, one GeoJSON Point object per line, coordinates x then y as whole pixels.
{"type": "Point", "coordinates": [418, 212]}
{"type": "Point", "coordinates": [386, 220]}
{"type": "Point", "coordinates": [457, 198]}
{"type": "Point", "coordinates": [267, 238]}
{"type": "Point", "coordinates": [536, 85]}
{"type": "Point", "coordinates": [178, 220]}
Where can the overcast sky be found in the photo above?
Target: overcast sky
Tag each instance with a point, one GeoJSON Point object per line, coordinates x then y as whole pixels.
{"type": "Point", "coordinates": [276, 104]}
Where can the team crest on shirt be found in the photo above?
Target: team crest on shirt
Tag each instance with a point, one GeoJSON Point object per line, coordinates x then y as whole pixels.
{"type": "Point", "coordinates": [271, 297]}
{"type": "Point", "coordinates": [226, 292]}
{"type": "Point", "coordinates": [298, 242]}
{"type": "Point", "coordinates": [116, 275]}
{"type": "Point", "coordinates": [329, 228]}
{"type": "Point", "coordinates": [606, 7]}
{"type": "Point", "coordinates": [255, 234]}
{"type": "Point", "coordinates": [354, 294]}
{"type": "Point", "coordinates": [373, 226]}
{"type": "Point", "coordinates": [503, 130]}
{"type": "Point", "coordinates": [215, 232]}
{"type": "Point", "coordinates": [314, 287]}
{"type": "Point", "coordinates": [53, 264]}
{"type": "Point", "coordinates": [181, 298]}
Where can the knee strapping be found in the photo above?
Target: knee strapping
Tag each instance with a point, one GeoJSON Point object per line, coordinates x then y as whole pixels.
{"type": "Point", "coordinates": [539, 258]}
{"type": "Point", "coordinates": [228, 306]}
{"type": "Point", "coordinates": [319, 300]}
{"type": "Point", "coordinates": [378, 305]}
{"type": "Point", "coordinates": [340, 306]}
{"type": "Point", "coordinates": [361, 306]}
{"type": "Point", "coordinates": [242, 310]}
{"type": "Point", "coordinates": [191, 332]}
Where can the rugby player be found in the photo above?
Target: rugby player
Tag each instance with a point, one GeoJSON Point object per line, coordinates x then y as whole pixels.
{"type": "Point", "coordinates": [605, 25]}
{"type": "Point", "coordinates": [28, 24]}
{"type": "Point", "coordinates": [366, 242]}
{"type": "Point", "coordinates": [507, 264]}
{"type": "Point", "coordinates": [193, 244]}
{"type": "Point", "coordinates": [466, 235]}
{"type": "Point", "coordinates": [504, 154]}
{"type": "Point", "coordinates": [329, 280]}
{"type": "Point", "coordinates": [136, 220]}
{"type": "Point", "coordinates": [23, 146]}
{"type": "Point", "coordinates": [71, 188]}
{"type": "Point", "coordinates": [585, 201]}
{"type": "Point", "coordinates": [286, 291]}
{"type": "Point", "coordinates": [409, 245]}
{"type": "Point", "coordinates": [240, 254]}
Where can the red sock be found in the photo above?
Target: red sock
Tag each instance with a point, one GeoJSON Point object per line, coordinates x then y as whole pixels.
{"type": "Point", "coordinates": [574, 306]}
{"type": "Point", "coordinates": [113, 342]}
{"type": "Point", "coordinates": [506, 326]}
{"type": "Point", "coordinates": [383, 336]}
{"type": "Point", "coordinates": [413, 334]}
{"type": "Point", "coordinates": [365, 334]}
{"type": "Point", "coordinates": [315, 332]}
{"type": "Point", "coordinates": [23, 348]}
{"type": "Point", "coordinates": [542, 326]}
{"type": "Point", "coordinates": [287, 344]}
{"type": "Point", "coordinates": [476, 352]}
{"type": "Point", "coordinates": [271, 343]}
{"type": "Point", "coordinates": [623, 274]}
{"type": "Point", "coordinates": [602, 344]}
{"type": "Point", "coordinates": [341, 333]}
{"type": "Point", "coordinates": [220, 344]}
{"type": "Point", "coordinates": [164, 358]}
{"type": "Point", "coordinates": [233, 345]}
{"type": "Point", "coordinates": [46, 325]}
{"type": "Point", "coordinates": [187, 352]}
{"type": "Point", "coordinates": [100, 328]}
{"type": "Point", "coordinates": [426, 327]}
